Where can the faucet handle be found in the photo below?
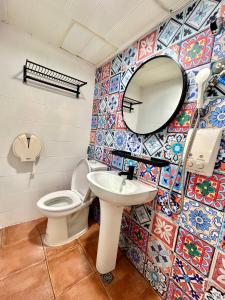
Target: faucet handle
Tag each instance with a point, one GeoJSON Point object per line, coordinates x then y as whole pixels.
{"type": "Point", "coordinates": [130, 174]}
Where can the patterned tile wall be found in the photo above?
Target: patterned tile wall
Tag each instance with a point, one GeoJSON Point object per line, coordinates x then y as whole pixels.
{"type": "Point", "coordinates": [182, 257]}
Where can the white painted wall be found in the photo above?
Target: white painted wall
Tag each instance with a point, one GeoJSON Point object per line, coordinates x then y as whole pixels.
{"type": "Point", "coordinates": [61, 121]}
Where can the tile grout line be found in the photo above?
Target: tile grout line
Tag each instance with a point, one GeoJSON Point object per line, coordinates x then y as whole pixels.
{"type": "Point", "coordinates": [46, 262]}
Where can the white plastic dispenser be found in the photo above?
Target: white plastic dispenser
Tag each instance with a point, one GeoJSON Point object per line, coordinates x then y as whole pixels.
{"type": "Point", "coordinates": [27, 147]}
{"type": "Point", "coordinates": [202, 156]}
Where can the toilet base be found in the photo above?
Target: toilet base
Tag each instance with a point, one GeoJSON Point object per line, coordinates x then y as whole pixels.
{"type": "Point", "coordinates": [63, 230]}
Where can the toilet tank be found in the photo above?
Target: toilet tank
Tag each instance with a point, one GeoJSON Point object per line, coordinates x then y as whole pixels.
{"type": "Point", "coordinates": [97, 166]}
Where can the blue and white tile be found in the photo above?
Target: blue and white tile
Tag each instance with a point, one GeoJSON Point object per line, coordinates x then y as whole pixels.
{"type": "Point", "coordinates": [99, 153]}
{"type": "Point", "coordinates": [167, 176]}
{"type": "Point", "coordinates": [134, 143]}
{"type": "Point", "coordinates": [116, 64]}
{"type": "Point", "coordinates": [153, 145]}
{"type": "Point", "coordinates": [120, 140]}
{"type": "Point", "coordinates": [117, 162]}
{"type": "Point", "coordinates": [101, 121]}
{"type": "Point", "coordinates": [136, 256]}
{"type": "Point", "coordinates": [109, 139]}
{"type": "Point", "coordinates": [114, 85]}
{"type": "Point", "coordinates": [100, 137]}
{"type": "Point", "coordinates": [201, 220]}
{"type": "Point", "coordinates": [103, 105]}
{"type": "Point", "coordinates": [113, 102]}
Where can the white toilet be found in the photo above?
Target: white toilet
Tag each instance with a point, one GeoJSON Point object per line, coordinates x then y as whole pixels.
{"type": "Point", "coordinates": [68, 210]}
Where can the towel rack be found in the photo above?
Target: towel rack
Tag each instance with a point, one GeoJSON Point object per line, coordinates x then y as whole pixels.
{"type": "Point", "coordinates": [39, 73]}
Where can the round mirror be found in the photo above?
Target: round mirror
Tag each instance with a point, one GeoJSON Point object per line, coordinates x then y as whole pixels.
{"type": "Point", "coordinates": [154, 94]}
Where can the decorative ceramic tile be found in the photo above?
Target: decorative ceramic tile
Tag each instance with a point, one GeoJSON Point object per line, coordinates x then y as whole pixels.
{"type": "Point", "coordinates": [214, 113]}
{"type": "Point", "coordinates": [125, 225]}
{"type": "Point", "coordinates": [116, 64]}
{"type": "Point", "coordinates": [218, 270]}
{"type": "Point", "coordinates": [183, 119]}
{"type": "Point", "coordinates": [208, 190]}
{"type": "Point", "coordinates": [94, 122]}
{"type": "Point", "coordinates": [117, 162]}
{"type": "Point", "coordinates": [104, 88]}
{"type": "Point", "coordinates": [95, 108]}
{"type": "Point", "coordinates": [148, 173]}
{"type": "Point", "coordinates": [100, 137]}
{"type": "Point", "coordinates": [120, 140]}
{"type": "Point", "coordinates": [146, 46]}
{"type": "Point", "coordinates": [173, 147]}
{"type": "Point", "coordinates": [189, 279]}
{"type": "Point", "coordinates": [114, 84]}
{"type": "Point", "coordinates": [153, 144]}
{"type": "Point", "coordinates": [169, 32]}
{"type": "Point", "coordinates": [110, 121]}
{"type": "Point", "coordinates": [201, 13]}
{"type": "Point", "coordinates": [98, 75]}
{"type": "Point", "coordinates": [91, 151]}
{"type": "Point", "coordinates": [197, 50]}
{"type": "Point", "coordinates": [219, 47]}
{"type": "Point", "coordinates": [195, 251]}
{"type": "Point", "coordinates": [103, 105]}
{"type": "Point", "coordinates": [107, 156]}
{"type": "Point", "coordinates": [113, 102]}
{"type": "Point", "coordinates": [167, 176]}
{"type": "Point", "coordinates": [92, 137]}
{"type": "Point", "coordinates": [109, 138]}
{"type": "Point", "coordinates": [125, 77]}
{"type": "Point", "coordinates": [119, 121]}
{"type": "Point", "coordinates": [213, 293]}
{"type": "Point", "coordinates": [162, 204]}
{"type": "Point", "coordinates": [164, 229]}
{"type": "Point", "coordinates": [139, 236]}
{"type": "Point", "coordinates": [123, 242]}
{"type": "Point", "coordinates": [130, 162]}
{"type": "Point", "coordinates": [159, 254]}
{"type": "Point", "coordinates": [99, 153]}
{"type": "Point", "coordinates": [137, 257]}
{"type": "Point", "coordinates": [129, 56]}
{"type": "Point", "coordinates": [220, 162]}
{"type": "Point", "coordinates": [157, 279]}
{"type": "Point", "coordinates": [172, 51]}
{"type": "Point", "coordinates": [134, 143]}
{"type": "Point", "coordinates": [101, 121]}
{"type": "Point", "coordinates": [106, 71]}
{"type": "Point", "coordinates": [175, 293]}
{"type": "Point", "coordinates": [142, 214]}
{"type": "Point", "coordinates": [97, 91]}
{"type": "Point", "coordinates": [201, 220]}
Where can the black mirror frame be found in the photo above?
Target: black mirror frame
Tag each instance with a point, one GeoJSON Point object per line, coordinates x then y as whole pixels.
{"type": "Point", "coordinates": [181, 101]}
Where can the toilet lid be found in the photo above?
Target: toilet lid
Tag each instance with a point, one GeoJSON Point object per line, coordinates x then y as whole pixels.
{"type": "Point", "coordinates": [79, 179]}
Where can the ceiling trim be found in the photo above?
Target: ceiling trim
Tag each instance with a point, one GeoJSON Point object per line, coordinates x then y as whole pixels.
{"type": "Point", "coordinates": [142, 33]}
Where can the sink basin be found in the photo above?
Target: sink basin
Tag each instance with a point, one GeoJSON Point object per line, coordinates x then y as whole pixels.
{"type": "Point", "coordinates": [119, 191]}
{"type": "Point", "coordinates": [114, 194]}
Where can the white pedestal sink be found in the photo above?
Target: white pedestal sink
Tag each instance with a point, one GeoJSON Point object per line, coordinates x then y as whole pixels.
{"type": "Point", "coordinates": [114, 193]}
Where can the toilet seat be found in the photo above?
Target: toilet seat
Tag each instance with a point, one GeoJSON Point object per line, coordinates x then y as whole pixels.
{"type": "Point", "coordinates": [60, 201]}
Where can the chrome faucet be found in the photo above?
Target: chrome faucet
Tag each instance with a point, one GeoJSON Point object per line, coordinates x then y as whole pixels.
{"type": "Point", "coordinates": [129, 173]}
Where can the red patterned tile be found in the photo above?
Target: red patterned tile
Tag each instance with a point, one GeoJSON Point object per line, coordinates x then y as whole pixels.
{"type": "Point", "coordinates": [120, 124]}
{"type": "Point", "coordinates": [107, 156]}
{"type": "Point", "coordinates": [183, 119]}
{"type": "Point", "coordinates": [195, 251]}
{"type": "Point", "coordinates": [208, 190]}
{"type": "Point", "coordinates": [148, 174]}
{"type": "Point", "coordinates": [95, 109]}
{"type": "Point", "coordinates": [139, 236]}
{"type": "Point", "coordinates": [92, 137]}
{"type": "Point", "coordinates": [164, 229]}
{"type": "Point", "coordinates": [175, 293]}
{"type": "Point", "coordinates": [197, 50]}
{"type": "Point", "coordinates": [106, 71]}
{"type": "Point", "coordinates": [218, 271]}
{"type": "Point", "coordinates": [146, 46]}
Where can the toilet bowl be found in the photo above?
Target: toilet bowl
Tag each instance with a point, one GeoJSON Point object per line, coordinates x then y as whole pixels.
{"type": "Point", "coordinates": [68, 210]}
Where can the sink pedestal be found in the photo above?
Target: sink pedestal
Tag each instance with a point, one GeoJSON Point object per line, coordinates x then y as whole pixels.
{"type": "Point", "coordinates": [111, 217]}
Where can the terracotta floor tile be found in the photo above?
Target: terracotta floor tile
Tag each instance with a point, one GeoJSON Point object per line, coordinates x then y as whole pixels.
{"type": "Point", "coordinates": [149, 294]}
{"type": "Point", "coordinates": [90, 248]}
{"type": "Point", "coordinates": [127, 283]}
{"type": "Point", "coordinates": [31, 283]}
{"type": "Point", "coordinates": [89, 288]}
{"type": "Point", "coordinates": [67, 269]}
{"type": "Point", "coordinates": [20, 255]}
{"type": "Point", "coordinates": [42, 225]}
{"type": "Point", "coordinates": [50, 251]}
{"type": "Point", "coordinates": [91, 234]}
{"type": "Point", "coordinates": [1, 233]}
{"type": "Point", "coordinates": [17, 233]}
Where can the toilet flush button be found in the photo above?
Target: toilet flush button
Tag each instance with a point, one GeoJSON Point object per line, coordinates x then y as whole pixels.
{"type": "Point", "coordinates": [200, 165]}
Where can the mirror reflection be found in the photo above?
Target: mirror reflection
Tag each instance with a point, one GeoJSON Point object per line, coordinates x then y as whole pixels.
{"type": "Point", "coordinates": [153, 95]}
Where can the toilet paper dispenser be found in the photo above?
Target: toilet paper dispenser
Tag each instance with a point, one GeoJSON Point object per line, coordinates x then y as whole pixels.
{"type": "Point", "coordinates": [27, 147]}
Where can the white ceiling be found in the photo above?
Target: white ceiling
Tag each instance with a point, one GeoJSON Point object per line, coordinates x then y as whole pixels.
{"type": "Point", "coordinates": [91, 29]}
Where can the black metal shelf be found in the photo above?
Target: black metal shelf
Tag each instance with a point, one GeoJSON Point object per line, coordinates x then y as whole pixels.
{"type": "Point", "coordinates": [39, 73]}
{"type": "Point", "coordinates": [130, 102]}
{"type": "Point", "coordinates": [152, 161]}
